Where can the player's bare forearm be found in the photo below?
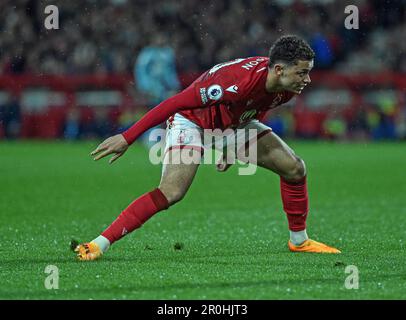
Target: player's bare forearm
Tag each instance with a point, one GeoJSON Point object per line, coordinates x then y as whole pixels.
{"type": "Point", "coordinates": [116, 145]}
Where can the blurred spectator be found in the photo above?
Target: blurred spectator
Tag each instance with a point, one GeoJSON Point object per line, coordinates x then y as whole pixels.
{"type": "Point", "coordinates": [104, 36]}
{"type": "Point", "coordinates": [156, 40]}
{"type": "Point", "coordinates": [155, 71]}
{"type": "Point", "coordinates": [72, 129]}
{"type": "Point", "coordinates": [129, 116]}
{"type": "Point", "coordinates": [99, 125]}
{"type": "Point", "coordinates": [335, 127]}
{"type": "Point", "coordinates": [281, 122]}
{"type": "Point", "coordinates": [323, 51]}
{"type": "Point", "coordinates": [373, 119]}
{"type": "Point", "coordinates": [401, 124]}
{"type": "Point", "coordinates": [386, 108]}
{"type": "Point", "coordinates": [156, 75]}
{"type": "Point", "coordinates": [385, 127]}
{"type": "Point", "coordinates": [10, 117]}
{"type": "Point", "coordinates": [358, 125]}
{"type": "Point", "coordinates": [103, 126]}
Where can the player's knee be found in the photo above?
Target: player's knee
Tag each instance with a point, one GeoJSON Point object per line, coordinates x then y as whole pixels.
{"type": "Point", "coordinates": [176, 196]}
{"type": "Point", "coordinates": [173, 195]}
{"type": "Point", "coordinates": [297, 170]}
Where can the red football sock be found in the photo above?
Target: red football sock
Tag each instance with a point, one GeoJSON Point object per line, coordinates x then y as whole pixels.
{"type": "Point", "coordinates": [295, 203]}
{"type": "Point", "coordinates": [136, 214]}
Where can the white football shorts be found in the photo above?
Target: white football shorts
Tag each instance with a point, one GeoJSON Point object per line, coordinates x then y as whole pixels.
{"type": "Point", "coordinates": [182, 133]}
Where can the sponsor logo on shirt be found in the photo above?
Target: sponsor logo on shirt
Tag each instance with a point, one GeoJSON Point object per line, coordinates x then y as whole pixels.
{"type": "Point", "coordinates": [232, 89]}
{"type": "Point", "coordinates": [203, 95]}
{"type": "Point", "coordinates": [215, 92]}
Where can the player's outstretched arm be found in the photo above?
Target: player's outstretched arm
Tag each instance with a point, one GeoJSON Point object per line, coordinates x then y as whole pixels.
{"type": "Point", "coordinates": [116, 145]}
{"type": "Point", "coordinates": [183, 100]}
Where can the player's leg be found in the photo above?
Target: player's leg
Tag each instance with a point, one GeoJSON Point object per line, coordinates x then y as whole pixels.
{"type": "Point", "coordinates": [175, 182]}
{"type": "Point", "coordinates": [183, 153]}
{"type": "Point", "coordinates": [177, 178]}
{"type": "Point", "coordinates": [179, 168]}
{"type": "Point", "coordinates": [274, 154]}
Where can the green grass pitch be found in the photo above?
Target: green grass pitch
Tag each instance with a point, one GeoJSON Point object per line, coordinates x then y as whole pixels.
{"type": "Point", "coordinates": [226, 240]}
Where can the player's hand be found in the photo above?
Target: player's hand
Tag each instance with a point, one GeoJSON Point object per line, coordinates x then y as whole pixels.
{"type": "Point", "coordinates": [116, 145]}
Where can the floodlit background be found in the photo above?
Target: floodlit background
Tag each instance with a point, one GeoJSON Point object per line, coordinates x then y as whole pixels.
{"type": "Point", "coordinates": [112, 60]}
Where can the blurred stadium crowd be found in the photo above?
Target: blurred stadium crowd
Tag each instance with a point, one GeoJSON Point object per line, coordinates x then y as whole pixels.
{"type": "Point", "coordinates": [106, 37]}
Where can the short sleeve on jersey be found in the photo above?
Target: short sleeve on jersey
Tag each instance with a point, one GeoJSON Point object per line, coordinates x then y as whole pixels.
{"type": "Point", "coordinates": [215, 91]}
{"type": "Point", "coordinates": [219, 84]}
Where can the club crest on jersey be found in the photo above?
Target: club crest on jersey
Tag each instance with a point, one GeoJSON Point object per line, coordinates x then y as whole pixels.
{"type": "Point", "coordinates": [215, 92]}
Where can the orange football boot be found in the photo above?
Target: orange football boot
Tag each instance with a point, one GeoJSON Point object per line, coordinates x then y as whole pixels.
{"type": "Point", "coordinates": [88, 251]}
{"type": "Point", "coordinates": [312, 246]}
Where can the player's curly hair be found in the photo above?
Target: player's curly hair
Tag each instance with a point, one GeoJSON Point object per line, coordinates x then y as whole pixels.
{"type": "Point", "coordinates": [290, 49]}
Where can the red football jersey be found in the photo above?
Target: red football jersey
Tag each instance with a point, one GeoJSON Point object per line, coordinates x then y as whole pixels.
{"type": "Point", "coordinates": [232, 93]}
{"type": "Point", "coordinates": [225, 96]}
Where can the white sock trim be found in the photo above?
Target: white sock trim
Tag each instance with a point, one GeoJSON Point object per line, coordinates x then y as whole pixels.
{"type": "Point", "coordinates": [298, 237]}
{"type": "Point", "coordinates": [102, 242]}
